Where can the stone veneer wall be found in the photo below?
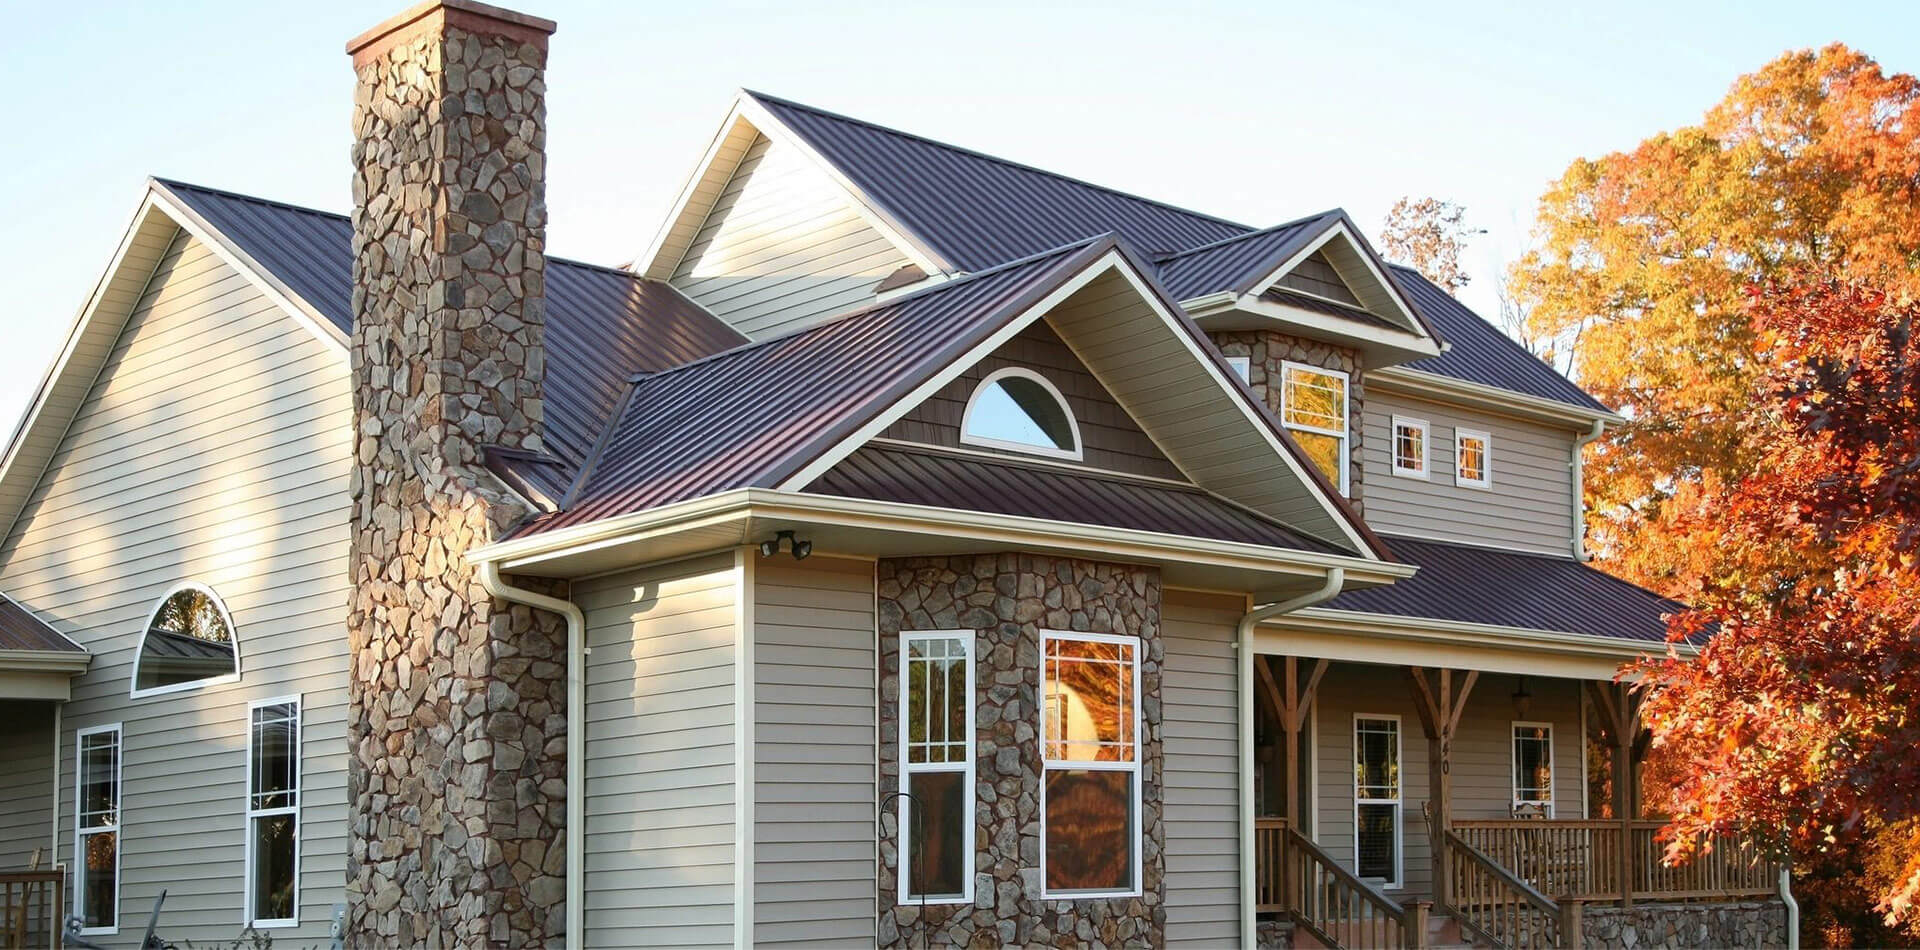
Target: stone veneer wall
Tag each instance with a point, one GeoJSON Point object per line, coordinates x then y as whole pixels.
{"type": "Point", "coordinates": [1267, 349]}
{"type": "Point", "coordinates": [456, 777]}
{"type": "Point", "coordinates": [1685, 926]}
{"type": "Point", "coordinates": [1007, 599]}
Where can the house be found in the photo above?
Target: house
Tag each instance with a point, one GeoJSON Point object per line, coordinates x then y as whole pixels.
{"type": "Point", "coordinates": [1139, 577]}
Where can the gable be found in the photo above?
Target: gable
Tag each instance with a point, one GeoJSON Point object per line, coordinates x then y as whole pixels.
{"type": "Point", "coordinates": [781, 246]}
{"type": "Point", "coordinates": [1111, 439]}
{"type": "Point", "coordinates": [1317, 276]}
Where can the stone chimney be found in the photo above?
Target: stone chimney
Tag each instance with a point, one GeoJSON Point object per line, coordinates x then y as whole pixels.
{"type": "Point", "coordinates": [456, 782]}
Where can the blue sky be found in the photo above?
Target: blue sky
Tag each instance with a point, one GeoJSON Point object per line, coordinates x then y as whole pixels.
{"type": "Point", "coordinates": [1257, 112]}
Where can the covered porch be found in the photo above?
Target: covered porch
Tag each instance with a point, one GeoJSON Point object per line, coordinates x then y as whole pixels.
{"type": "Point", "coordinates": [1458, 795]}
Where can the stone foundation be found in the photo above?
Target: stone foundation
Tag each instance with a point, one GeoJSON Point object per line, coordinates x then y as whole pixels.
{"type": "Point", "coordinates": [1273, 935]}
{"type": "Point", "coordinates": [1007, 599]}
{"type": "Point", "coordinates": [1266, 350]}
{"type": "Point", "coordinates": [1685, 926]}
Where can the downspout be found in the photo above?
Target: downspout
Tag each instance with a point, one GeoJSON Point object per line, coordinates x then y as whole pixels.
{"type": "Point", "coordinates": [1580, 552]}
{"type": "Point", "coordinates": [576, 736]}
{"type": "Point", "coordinates": [1243, 642]}
{"type": "Point", "coordinates": [1793, 907]}
{"type": "Point", "coordinates": [53, 842]}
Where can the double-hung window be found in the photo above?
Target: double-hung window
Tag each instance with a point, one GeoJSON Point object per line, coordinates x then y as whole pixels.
{"type": "Point", "coordinates": [96, 893]}
{"type": "Point", "coordinates": [1376, 798]}
{"type": "Point", "coordinates": [936, 771]}
{"type": "Point", "coordinates": [1090, 747]}
{"type": "Point", "coordinates": [1410, 441]}
{"type": "Point", "coordinates": [273, 813]}
{"type": "Point", "coordinates": [1472, 458]}
{"type": "Point", "coordinates": [1313, 407]}
{"type": "Point", "coordinates": [1533, 769]}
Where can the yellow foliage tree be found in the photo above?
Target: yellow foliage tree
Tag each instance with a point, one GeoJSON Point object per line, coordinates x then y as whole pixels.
{"type": "Point", "coordinates": [1642, 259]}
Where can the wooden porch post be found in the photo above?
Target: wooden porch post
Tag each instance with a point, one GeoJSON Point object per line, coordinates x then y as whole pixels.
{"type": "Point", "coordinates": [1292, 702]}
{"type": "Point", "coordinates": [1440, 710]}
{"type": "Point", "coordinates": [1620, 710]}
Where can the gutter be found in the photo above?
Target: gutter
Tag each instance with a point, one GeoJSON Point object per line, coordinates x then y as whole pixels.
{"type": "Point", "coordinates": [1243, 642]}
{"type": "Point", "coordinates": [1578, 464]}
{"type": "Point", "coordinates": [489, 572]}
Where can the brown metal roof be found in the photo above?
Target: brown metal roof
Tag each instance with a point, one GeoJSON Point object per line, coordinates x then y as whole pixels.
{"type": "Point", "coordinates": [603, 325]}
{"type": "Point", "coordinates": [1468, 584]}
{"type": "Point", "coordinates": [1479, 352]}
{"type": "Point", "coordinates": [754, 415]}
{"type": "Point", "coordinates": [21, 630]}
{"type": "Point", "coordinates": [978, 211]}
{"type": "Point", "coordinates": [947, 480]}
{"type": "Point", "coordinates": [1231, 264]}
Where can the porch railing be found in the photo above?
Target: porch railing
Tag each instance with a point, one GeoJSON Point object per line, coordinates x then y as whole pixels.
{"type": "Point", "coordinates": [31, 903]}
{"type": "Point", "coordinates": [1307, 885]}
{"type": "Point", "coordinates": [1580, 859]}
{"type": "Point", "coordinates": [1490, 901]}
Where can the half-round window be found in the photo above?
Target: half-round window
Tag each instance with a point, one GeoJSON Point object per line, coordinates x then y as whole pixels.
{"type": "Point", "coordinates": [189, 642]}
{"type": "Point", "coordinates": [1018, 409]}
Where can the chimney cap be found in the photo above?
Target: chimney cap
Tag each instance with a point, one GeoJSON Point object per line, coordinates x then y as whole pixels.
{"type": "Point", "coordinates": [435, 15]}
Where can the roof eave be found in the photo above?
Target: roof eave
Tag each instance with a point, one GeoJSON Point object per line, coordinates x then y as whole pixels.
{"type": "Point", "coordinates": [1382, 346]}
{"type": "Point", "coordinates": [1414, 382]}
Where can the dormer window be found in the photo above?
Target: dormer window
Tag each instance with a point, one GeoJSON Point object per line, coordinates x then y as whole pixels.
{"type": "Point", "coordinates": [189, 642]}
{"type": "Point", "coordinates": [1313, 407]}
{"type": "Point", "coordinates": [1019, 410]}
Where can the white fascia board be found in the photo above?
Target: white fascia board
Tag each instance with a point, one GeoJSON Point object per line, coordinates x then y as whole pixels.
{"type": "Point", "coordinates": [1457, 633]}
{"type": "Point", "coordinates": [1411, 346]}
{"type": "Point", "coordinates": [45, 661]}
{"type": "Point", "coordinates": [1401, 379]}
{"type": "Point", "coordinates": [1340, 230]}
{"type": "Point", "coordinates": [647, 264]}
{"type": "Point", "coordinates": [748, 503]}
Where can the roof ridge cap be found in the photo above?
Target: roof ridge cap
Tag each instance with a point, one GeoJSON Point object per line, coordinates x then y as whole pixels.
{"type": "Point", "coordinates": [876, 305]}
{"type": "Point", "coordinates": [996, 159]}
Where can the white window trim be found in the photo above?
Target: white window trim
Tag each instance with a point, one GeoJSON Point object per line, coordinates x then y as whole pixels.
{"type": "Point", "coordinates": [1077, 453]}
{"type": "Point", "coordinates": [133, 688]}
{"type": "Point", "coordinates": [1485, 481]}
{"type": "Point", "coordinates": [1242, 366]}
{"type": "Point", "coordinates": [901, 892]}
{"type": "Point", "coordinates": [1399, 801]}
{"type": "Point", "coordinates": [1139, 820]}
{"type": "Point", "coordinates": [81, 833]}
{"type": "Point", "coordinates": [1426, 447]}
{"type": "Point", "coordinates": [1345, 435]}
{"type": "Point", "coordinates": [1513, 765]}
{"type": "Point", "coordinates": [299, 780]}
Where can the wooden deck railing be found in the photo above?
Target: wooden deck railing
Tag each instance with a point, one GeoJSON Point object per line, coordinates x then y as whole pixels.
{"type": "Point", "coordinates": [1580, 860]}
{"type": "Point", "coordinates": [1488, 900]}
{"type": "Point", "coordinates": [32, 902]}
{"type": "Point", "coordinates": [1298, 879]}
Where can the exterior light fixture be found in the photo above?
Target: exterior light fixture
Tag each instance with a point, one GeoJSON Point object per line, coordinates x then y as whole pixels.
{"type": "Point", "coordinates": [1522, 699]}
{"type": "Point", "coordinates": [785, 539]}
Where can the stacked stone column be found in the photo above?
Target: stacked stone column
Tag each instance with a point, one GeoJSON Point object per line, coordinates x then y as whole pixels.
{"type": "Point", "coordinates": [456, 779]}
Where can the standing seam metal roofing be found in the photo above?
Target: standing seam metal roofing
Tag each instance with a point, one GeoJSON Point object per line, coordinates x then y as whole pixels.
{"type": "Point", "coordinates": [1468, 584]}
{"type": "Point", "coordinates": [1228, 264]}
{"type": "Point", "coordinates": [746, 417]}
{"type": "Point", "coordinates": [602, 324]}
{"type": "Point", "coordinates": [21, 630]}
{"type": "Point", "coordinates": [945, 480]}
{"type": "Point", "coordinates": [978, 211]}
{"type": "Point", "coordinates": [1482, 354]}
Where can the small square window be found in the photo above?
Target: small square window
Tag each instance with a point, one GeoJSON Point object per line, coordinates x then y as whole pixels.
{"type": "Point", "coordinates": [1410, 441]}
{"type": "Point", "coordinates": [1473, 458]}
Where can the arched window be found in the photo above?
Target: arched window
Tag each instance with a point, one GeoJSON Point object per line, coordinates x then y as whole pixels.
{"type": "Point", "coordinates": [1018, 409]}
{"type": "Point", "coordinates": [189, 642]}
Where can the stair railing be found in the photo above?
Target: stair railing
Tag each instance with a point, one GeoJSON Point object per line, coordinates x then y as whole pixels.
{"type": "Point", "coordinates": [1493, 904]}
{"type": "Point", "coordinates": [1338, 908]}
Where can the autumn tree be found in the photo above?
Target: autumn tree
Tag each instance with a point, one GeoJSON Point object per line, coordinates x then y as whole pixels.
{"type": "Point", "coordinates": [1642, 256]}
{"type": "Point", "coordinates": [1802, 711]}
{"type": "Point", "coordinates": [1428, 235]}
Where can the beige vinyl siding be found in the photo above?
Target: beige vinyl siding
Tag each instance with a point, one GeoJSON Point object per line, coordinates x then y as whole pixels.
{"type": "Point", "coordinates": [1528, 508]}
{"type": "Point", "coordinates": [26, 782]}
{"type": "Point", "coordinates": [1200, 781]}
{"type": "Point", "coordinates": [814, 733]}
{"type": "Point", "coordinates": [1482, 756]}
{"type": "Point", "coordinates": [660, 754]}
{"type": "Point", "coordinates": [1316, 275]}
{"type": "Point", "coordinates": [783, 247]}
{"type": "Point", "coordinates": [213, 447]}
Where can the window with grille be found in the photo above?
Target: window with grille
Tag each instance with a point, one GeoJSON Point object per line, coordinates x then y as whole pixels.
{"type": "Point", "coordinates": [936, 721]}
{"type": "Point", "coordinates": [96, 892]}
{"type": "Point", "coordinates": [1376, 798]}
{"type": "Point", "coordinates": [1533, 768]}
{"type": "Point", "coordinates": [273, 813]}
{"type": "Point", "coordinates": [1313, 407]}
{"type": "Point", "coordinates": [1473, 458]}
{"type": "Point", "coordinates": [1409, 447]}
